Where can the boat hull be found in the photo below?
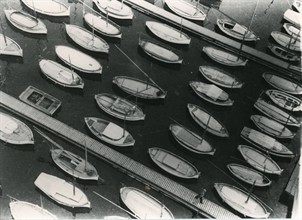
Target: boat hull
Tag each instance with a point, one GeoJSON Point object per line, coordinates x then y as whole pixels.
{"type": "Point", "coordinates": [48, 7]}
{"type": "Point", "coordinates": [283, 53]}
{"type": "Point", "coordinates": [9, 47]}
{"type": "Point", "coordinates": [287, 41]}
{"type": "Point", "coordinates": [114, 9]}
{"type": "Point", "coordinates": [285, 100]}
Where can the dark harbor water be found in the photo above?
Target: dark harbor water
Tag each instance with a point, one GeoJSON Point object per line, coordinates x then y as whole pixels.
{"type": "Point", "coordinates": [20, 165]}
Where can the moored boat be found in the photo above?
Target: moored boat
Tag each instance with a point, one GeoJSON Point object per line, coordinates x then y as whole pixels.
{"type": "Point", "coordinates": [235, 30]}
{"type": "Point", "coordinates": [160, 51]}
{"type": "Point", "coordinates": [293, 17]}
{"type": "Point", "coordinates": [86, 39]}
{"type": "Point", "coordinates": [265, 143]}
{"type": "Point", "coordinates": [289, 42]}
{"type": "Point", "coordinates": [220, 77]}
{"type": "Point", "coordinates": [61, 191]}
{"type": "Point", "coordinates": [224, 57]}
{"type": "Point", "coordinates": [204, 119]}
{"type": "Point", "coordinates": [168, 33]}
{"type": "Point", "coordinates": [285, 100]}
{"type": "Point", "coordinates": [78, 60]}
{"type": "Point", "coordinates": [60, 74]}
{"type": "Point", "coordinates": [211, 93]}
{"type": "Point", "coordinates": [14, 131]}
{"type": "Point", "coordinates": [25, 22]}
{"type": "Point", "coordinates": [103, 25]}
{"type": "Point", "coordinates": [119, 107]}
{"type": "Point", "coordinates": [114, 9]}
{"type": "Point", "coordinates": [282, 83]}
{"type": "Point", "coordinates": [48, 7]}
{"type": "Point", "coordinates": [9, 47]}
{"type": "Point", "coordinates": [190, 140]}
{"type": "Point", "coordinates": [283, 53]}
{"type": "Point", "coordinates": [143, 205]}
{"type": "Point", "coordinates": [271, 127]}
{"type": "Point", "coordinates": [109, 132]}
{"type": "Point", "coordinates": [276, 113]}
{"type": "Point", "coordinates": [259, 160]}
{"type": "Point", "coordinates": [242, 201]}
{"type": "Point", "coordinates": [249, 175]}
{"type": "Point", "coordinates": [186, 9]}
{"type": "Point", "coordinates": [173, 163]}
{"type": "Point", "coordinates": [139, 88]}
{"type": "Point", "coordinates": [292, 30]}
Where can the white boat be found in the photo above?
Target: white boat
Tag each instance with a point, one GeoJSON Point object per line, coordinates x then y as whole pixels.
{"type": "Point", "coordinates": [61, 191]}
{"type": "Point", "coordinates": [160, 51]}
{"type": "Point", "coordinates": [14, 131]}
{"type": "Point", "coordinates": [224, 57]}
{"type": "Point", "coordinates": [86, 39]}
{"type": "Point", "coordinates": [60, 74]}
{"type": "Point", "coordinates": [48, 7]}
{"type": "Point", "coordinates": [168, 33]}
{"type": "Point", "coordinates": [25, 22]}
{"type": "Point", "coordinates": [235, 30]}
{"type": "Point", "coordinates": [139, 88]}
{"type": "Point", "coordinates": [297, 5]}
{"type": "Point", "coordinates": [285, 100]}
{"type": "Point", "coordinates": [292, 30]}
{"type": "Point", "coordinates": [293, 17]}
{"type": "Point", "coordinates": [27, 210]}
{"type": "Point", "coordinates": [211, 93]}
{"type": "Point", "coordinates": [282, 83]}
{"type": "Point", "coordinates": [143, 205]}
{"type": "Point", "coordinates": [114, 9]}
{"type": "Point", "coordinates": [9, 47]}
{"type": "Point", "coordinates": [220, 77]}
{"type": "Point", "coordinates": [78, 60]}
{"type": "Point", "coordinates": [284, 53]}
{"type": "Point", "coordinates": [119, 107]}
{"type": "Point", "coordinates": [249, 175]}
{"type": "Point", "coordinates": [287, 41]}
{"type": "Point", "coordinates": [276, 113]}
{"type": "Point", "coordinates": [259, 160]}
{"type": "Point", "coordinates": [190, 140]}
{"type": "Point", "coordinates": [109, 132]}
{"type": "Point", "coordinates": [242, 201]}
{"type": "Point", "coordinates": [103, 25]}
{"type": "Point", "coordinates": [265, 143]}
{"type": "Point", "coordinates": [271, 127]}
{"type": "Point", "coordinates": [173, 163]}
{"type": "Point", "coordinates": [186, 9]}
{"type": "Point", "coordinates": [204, 119]}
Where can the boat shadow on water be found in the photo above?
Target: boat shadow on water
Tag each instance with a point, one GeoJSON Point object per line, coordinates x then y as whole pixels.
{"type": "Point", "coordinates": [11, 59]}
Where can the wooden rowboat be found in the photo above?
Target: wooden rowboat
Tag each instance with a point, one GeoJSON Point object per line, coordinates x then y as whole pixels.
{"type": "Point", "coordinates": [282, 83]}
{"type": "Point", "coordinates": [139, 88]}
{"type": "Point", "coordinates": [160, 51]}
{"type": "Point", "coordinates": [265, 143]}
{"type": "Point", "coordinates": [271, 127]}
{"type": "Point", "coordinates": [292, 30]}
{"type": "Point", "coordinates": [78, 60]}
{"type": "Point", "coordinates": [244, 202]}
{"type": "Point", "coordinates": [190, 140]}
{"type": "Point", "coordinates": [235, 30]}
{"type": "Point", "coordinates": [114, 9]}
{"type": "Point", "coordinates": [9, 47]}
{"type": "Point", "coordinates": [173, 163]}
{"type": "Point", "coordinates": [86, 39]}
{"type": "Point", "coordinates": [109, 132]}
{"type": "Point", "coordinates": [285, 100]}
{"type": "Point", "coordinates": [186, 9]}
{"type": "Point", "coordinates": [207, 121]}
{"type": "Point", "coordinates": [259, 160]}
{"type": "Point", "coordinates": [249, 175]}
{"type": "Point", "coordinates": [60, 74]}
{"type": "Point", "coordinates": [276, 113]}
{"type": "Point", "coordinates": [168, 33]}
{"type": "Point", "coordinates": [61, 191]}
{"type": "Point", "coordinates": [103, 25]}
{"type": "Point", "coordinates": [48, 7]}
{"type": "Point", "coordinates": [287, 41]}
{"type": "Point", "coordinates": [25, 22]}
{"type": "Point", "coordinates": [293, 17]}
{"type": "Point", "coordinates": [224, 57]}
{"type": "Point", "coordinates": [283, 53]}
{"type": "Point", "coordinates": [220, 77]}
{"type": "Point", "coordinates": [143, 205]}
{"type": "Point", "coordinates": [211, 93]}
{"type": "Point", "coordinates": [14, 131]}
{"type": "Point", "coordinates": [119, 107]}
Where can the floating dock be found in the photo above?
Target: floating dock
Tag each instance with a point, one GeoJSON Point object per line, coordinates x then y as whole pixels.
{"type": "Point", "coordinates": [127, 165]}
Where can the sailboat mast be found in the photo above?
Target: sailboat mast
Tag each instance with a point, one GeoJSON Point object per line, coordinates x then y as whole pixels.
{"type": "Point", "coordinates": [3, 34]}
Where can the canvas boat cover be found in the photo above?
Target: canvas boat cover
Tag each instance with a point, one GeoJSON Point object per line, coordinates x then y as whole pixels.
{"type": "Point", "coordinates": [214, 92]}
{"type": "Point", "coordinates": [113, 131]}
{"type": "Point", "coordinates": [188, 137]}
{"type": "Point", "coordinates": [7, 125]}
{"type": "Point", "coordinates": [239, 29]}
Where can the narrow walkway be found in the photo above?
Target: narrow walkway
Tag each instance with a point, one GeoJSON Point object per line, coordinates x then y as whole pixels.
{"type": "Point", "coordinates": [134, 169]}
